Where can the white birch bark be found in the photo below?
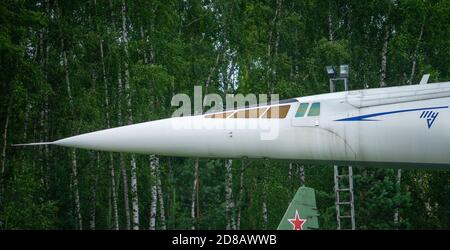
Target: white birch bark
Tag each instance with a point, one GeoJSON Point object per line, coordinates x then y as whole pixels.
{"type": "Point", "coordinates": [134, 192]}
{"type": "Point", "coordinates": [265, 214]}
{"type": "Point", "coordinates": [241, 195]}
{"type": "Point", "coordinates": [330, 23]}
{"type": "Point", "coordinates": [115, 210]}
{"type": "Point", "coordinates": [126, 199]}
{"type": "Point", "coordinates": [384, 57]}
{"type": "Point", "coordinates": [127, 71]}
{"type": "Point", "coordinates": [94, 195]}
{"type": "Point", "coordinates": [162, 213]}
{"type": "Point", "coordinates": [75, 189]}
{"type": "Point", "coordinates": [73, 152]}
{"type": "Point", "coordinates": [264, 196]}
{"type": "Point", "coordinates": [108, 124]}
{"type": "Point", "coordinates": [154, 192]}
{"type": "Point", "coordinates": [43, 174]}
{"type": "Point", "coordinates": [120, 119]}
{"type": "Point", "coordinates": [42, 119]}
{"type": "Point", "coordinates": [195, 195]}
{"type": "Point", "coordinates": [301, 173]}
{"type": "Point", "coordinates": [141, 29]}
{"type": "Point", "coordinates": [231, 224]}
{"type": "Point", "coordinates": [123, 170]}
{"type": "Point", "coordinates": [414, 57]}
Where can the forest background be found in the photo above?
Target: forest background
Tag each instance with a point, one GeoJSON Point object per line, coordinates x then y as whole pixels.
{"type": "Point", "coordinates": [70, 67]}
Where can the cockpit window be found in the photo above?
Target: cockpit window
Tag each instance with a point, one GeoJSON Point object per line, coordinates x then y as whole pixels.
{"type": "Point", "coordinates": [277, 112]}
{"type": "Point", "coordinates": [273, 112]}
{"type": "Point", "coordinates": [249, 113]}
{"type": "Point", "coordinates": [302, 108]}
{"type": "Point", "coordinates": [315, 109]}
{"type": "Point", "coordinates": [220, 115]}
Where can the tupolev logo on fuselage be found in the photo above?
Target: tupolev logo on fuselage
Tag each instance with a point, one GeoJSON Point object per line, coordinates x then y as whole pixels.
{"type": "Point", "coordinates": [430, 116]}
{"type": "Point", "coordinates": [427, 113]}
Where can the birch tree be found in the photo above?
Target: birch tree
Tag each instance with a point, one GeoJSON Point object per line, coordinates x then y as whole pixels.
{"type": "Point", "coordinates": [134, 193]}
{"type": "Point", "coordinates": [72, 151]}
{"type": "Point", "coordinates": [194, 196]}
{"type": "Point", "coordinates": [231, 223]}
{"type": "Point", "coordinates": [153, 160]}
{"type": "Point", "coordinates": [5, 139]}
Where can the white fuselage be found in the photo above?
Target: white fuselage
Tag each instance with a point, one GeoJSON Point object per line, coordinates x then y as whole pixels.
{"type": "Point", "coordinates": [397, 126]}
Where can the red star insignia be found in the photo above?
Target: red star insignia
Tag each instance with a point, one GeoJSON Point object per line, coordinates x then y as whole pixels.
{"type": "Point", "coordinates": [297, 222]}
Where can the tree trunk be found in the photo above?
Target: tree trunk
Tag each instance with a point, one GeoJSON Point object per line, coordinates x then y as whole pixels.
{"type": "Point", "coordinates": [46, 138]}
{"type": "Point", "coordinates": [241, 195]}
{"type": "Point", "coordinates": [229, 195]}
{"type": "Point", "coordinates": [121, 161]}
{"type": "Point", "coordinates": [75, 189]}
{"type": "Point", "coordinates": [108, 124]}
{"type": "Point", "coordinates": [330, 23]}
{"type": "Point", "coordinates": [105, 86]}
{"type": "Point", "coordinates": [264, 196]}
{"type": "Point", "coordinates": [5, 139]}
{"type": "Point", "coordinates": [42, 156]}
{"type": "Point", "coordinates": [265, 214]}
{"type": "Point", "coordinates": [43, 49]}
{"type": "Point", "coordinates": [125, 192]}
{"type": "Point", "coordinates": [271, 71]}
{"type": "Point", "coordinates": [301, 173]}
{"type": "Point", "coordinates": [154, 192]}
{"type": "Point", "coordinates": [143, 38]}
{"type": "Point", "coordinates": [73, 151]}
{"type": "Point", "coordinates": [134, 192]}
{"type": "Point", "coordinates": [397, 212]}
{"type": "Point", "coordinates": [414, 57]}
{"type": "Point", "coordinates": [213, 69]}
{"type": "Point", "coordinates": [127, 71]}
{"type": "Point", "coordinates": [162, 213]}
{"type": "Point", "coordinates": [384, 57]}
{"type": "Point", "coordinates": [109, 216]}
{"type": "Point", "coordinates": [94, 195]}
{"type": "Point", "coordinates": [114, 193]}
{"type": "Point", "coordinates": [195, 195]}
{"type": "Point", "coordinates": [290, 171]}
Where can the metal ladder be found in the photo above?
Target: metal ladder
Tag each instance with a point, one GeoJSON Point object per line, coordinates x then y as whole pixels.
{"type": "Point", "coordinates": [344, 195]}
{"type": "Point", "coordinates": [344, 198]}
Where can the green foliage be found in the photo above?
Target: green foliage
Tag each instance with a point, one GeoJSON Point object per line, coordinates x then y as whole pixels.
{"type": "Point", "coordinates": [26, 206]}
{"type": "Point", "coordinates": [265, 46]}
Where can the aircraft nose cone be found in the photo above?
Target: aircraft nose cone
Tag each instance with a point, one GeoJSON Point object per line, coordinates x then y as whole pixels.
{"type": "Point", "coordinates": [131, 138]}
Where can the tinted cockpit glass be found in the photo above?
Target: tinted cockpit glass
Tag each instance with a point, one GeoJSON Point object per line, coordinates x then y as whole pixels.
{"type": "Point", "coordinates": [302, 109]}
{"type": "Point", "coordinates": [277, 112]}
{"type": "Point", "coordinates": [314, 110]}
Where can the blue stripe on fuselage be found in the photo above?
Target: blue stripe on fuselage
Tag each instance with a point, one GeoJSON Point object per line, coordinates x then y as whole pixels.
{"type": "Point", "coordinates": [364, 117]}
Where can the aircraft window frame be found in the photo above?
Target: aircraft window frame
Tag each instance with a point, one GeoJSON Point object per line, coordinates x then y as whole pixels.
{"type": "Point", "coordinates": [314, 112]}
{"type": "Point", "coordinates": [303, 112]}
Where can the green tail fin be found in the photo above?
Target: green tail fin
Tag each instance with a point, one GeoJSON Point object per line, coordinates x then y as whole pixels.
{"type": "Point", "coordinates": [302, 212]}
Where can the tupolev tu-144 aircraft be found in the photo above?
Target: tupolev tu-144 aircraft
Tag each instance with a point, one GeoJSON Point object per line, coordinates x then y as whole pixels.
{"type": "Point", "coordinates": [404, 126]}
